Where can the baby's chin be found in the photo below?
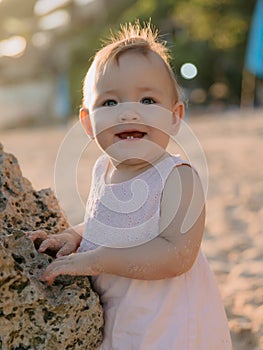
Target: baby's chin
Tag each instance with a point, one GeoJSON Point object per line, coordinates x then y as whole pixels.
{"type": "Point", "coordinates": [135, 152]}
{"type": "Point", "coordinates": [131, 162]}
{"type": "Point", "coordinates": [143, 157]}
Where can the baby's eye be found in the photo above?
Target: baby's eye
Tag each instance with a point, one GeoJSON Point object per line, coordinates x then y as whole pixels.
{"type": "Point", "coordinates": [147, 100]}
{"type": "Point", "coordinates": [109, 103]}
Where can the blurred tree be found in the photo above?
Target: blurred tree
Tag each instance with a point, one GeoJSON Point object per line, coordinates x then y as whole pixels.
{"type": "Point", "coordinates": [211, 34]}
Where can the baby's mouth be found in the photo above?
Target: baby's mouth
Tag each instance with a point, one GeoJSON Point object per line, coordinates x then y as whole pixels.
{"type": "Point", "coordinates": [130, 135]}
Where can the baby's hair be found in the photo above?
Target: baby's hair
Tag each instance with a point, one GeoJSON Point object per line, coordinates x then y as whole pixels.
{"type": "Point", "coordinates": [135, 38]}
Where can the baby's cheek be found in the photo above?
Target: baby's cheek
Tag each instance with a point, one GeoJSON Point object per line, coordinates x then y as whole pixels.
{"type": "Point", "coordinates": [104, 140]}
{"type": "Point", "coordinates": [103, 119]}
{"type": "Point", "coordinates": [99, 126]}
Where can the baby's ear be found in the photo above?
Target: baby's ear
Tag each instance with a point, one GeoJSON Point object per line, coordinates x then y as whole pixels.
{"type": "Point", "coordinates": [178, 115]}
{"type": "Point", "coordinates": [85, 121]}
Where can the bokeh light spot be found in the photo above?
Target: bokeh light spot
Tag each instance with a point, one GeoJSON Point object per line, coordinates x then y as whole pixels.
{"type": "Point", "coordinates": [12, 47]}
{"type": "Point", "coordinates": [83, 2]}
{"type": "Point", "coordinates": [219, 90]}
{"type": "Point", "coordinates": [43, 7]}
{"type": "Point", "coordinates": [198, 96]}
{"type": "Point", "coordinates": [54, 20]}
{"type": "Point", "coordinates": [40, 39]}
{"type": "Point", "coordinates": [188, 71]}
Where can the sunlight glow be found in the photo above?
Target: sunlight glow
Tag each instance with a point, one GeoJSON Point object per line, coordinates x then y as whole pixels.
{"type": "Point", "coordinates": [12, 47]}
{"type": "Point", "coordinates": [54, 20]}
{"type": "Point", "coordinates": [43, 7]}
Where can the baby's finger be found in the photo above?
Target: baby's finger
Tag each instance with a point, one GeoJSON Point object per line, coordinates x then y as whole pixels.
{"type": "Point", "coordinates": [33, 235]}
{"type": "Point", "coordinates": [53, 270]}
{"type": "Point", "coordinates": [49, 243]}
{"type": "Point", "coordinates": [48, 278]}
{"type": "Point", "coordinates": [67, 249]}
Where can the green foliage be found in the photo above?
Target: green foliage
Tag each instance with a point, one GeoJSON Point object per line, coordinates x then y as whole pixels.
{"type": "Point", "coordinates": [211, 34]}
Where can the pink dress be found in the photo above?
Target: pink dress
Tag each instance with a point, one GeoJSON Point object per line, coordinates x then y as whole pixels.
{"type": "Point", "coordinates": [180, 313]}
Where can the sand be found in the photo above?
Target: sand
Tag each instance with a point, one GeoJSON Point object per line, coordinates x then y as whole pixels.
{"type": "Point", "coordinates": [232, 143]}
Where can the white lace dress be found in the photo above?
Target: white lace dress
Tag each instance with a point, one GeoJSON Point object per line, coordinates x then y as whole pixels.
{"type": "Point", "coordinates": [180, 313]}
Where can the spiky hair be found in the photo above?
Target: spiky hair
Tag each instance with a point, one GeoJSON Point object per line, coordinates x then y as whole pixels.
{"type": "Point", "coordinates": [134, 37]}
{"type": "Point", "coordinates": [143, 39]}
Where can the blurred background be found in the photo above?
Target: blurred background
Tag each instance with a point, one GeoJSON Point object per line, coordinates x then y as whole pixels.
{"type": "Point", "coordinates": [217, 45]}
{"type": "Point", "coordinates": [46, 46]}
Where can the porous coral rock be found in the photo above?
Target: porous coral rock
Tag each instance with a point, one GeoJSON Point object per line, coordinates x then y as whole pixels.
{"type": "Point", "coordinates": [21, 206]}
{"type": "Point", "coordinates": [66, 315]}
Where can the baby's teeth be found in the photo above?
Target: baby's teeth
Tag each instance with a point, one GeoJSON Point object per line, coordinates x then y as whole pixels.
{"type": "Point", "coordinates": [130, 137]}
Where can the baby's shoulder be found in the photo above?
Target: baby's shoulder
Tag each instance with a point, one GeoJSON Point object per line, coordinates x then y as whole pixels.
{"type": "Point", "coordinates": [169, 165]}
{"type": "Point", "coordinates": [178, 161]}
{"type": "Point", "coordinates": [100, 165]}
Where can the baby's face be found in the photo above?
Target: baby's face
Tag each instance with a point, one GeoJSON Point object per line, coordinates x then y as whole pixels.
{"type": "Point", "coordinates": [132, 108]}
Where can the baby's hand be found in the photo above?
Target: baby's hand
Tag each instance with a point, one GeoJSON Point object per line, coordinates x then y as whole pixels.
{"type": "Point", "coordinates": [77, 264]}
{"type": "Point", "coordinates": [62, 244]}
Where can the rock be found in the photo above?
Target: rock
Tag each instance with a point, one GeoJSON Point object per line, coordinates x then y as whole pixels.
{"type": "Point", "coordinates": [66, 315]}
{"type": "Point", "coordinates": [21, 206]}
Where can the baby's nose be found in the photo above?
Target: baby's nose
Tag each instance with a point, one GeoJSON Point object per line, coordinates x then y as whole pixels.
{"type": "Point", "coordinates": [129, 116]}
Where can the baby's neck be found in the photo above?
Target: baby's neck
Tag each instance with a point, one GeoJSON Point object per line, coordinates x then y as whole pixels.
{"type": "Point", "coordinates": [121, 172]}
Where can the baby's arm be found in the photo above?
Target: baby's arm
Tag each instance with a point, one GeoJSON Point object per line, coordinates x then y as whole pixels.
{"type": "Point", "coordinates": [174, 251]}
{"type": "Point", "coordinates": [170, 254]}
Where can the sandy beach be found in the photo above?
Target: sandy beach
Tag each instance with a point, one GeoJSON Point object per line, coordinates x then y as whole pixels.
{"type": "Point", "coordinates": [232, 144]}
